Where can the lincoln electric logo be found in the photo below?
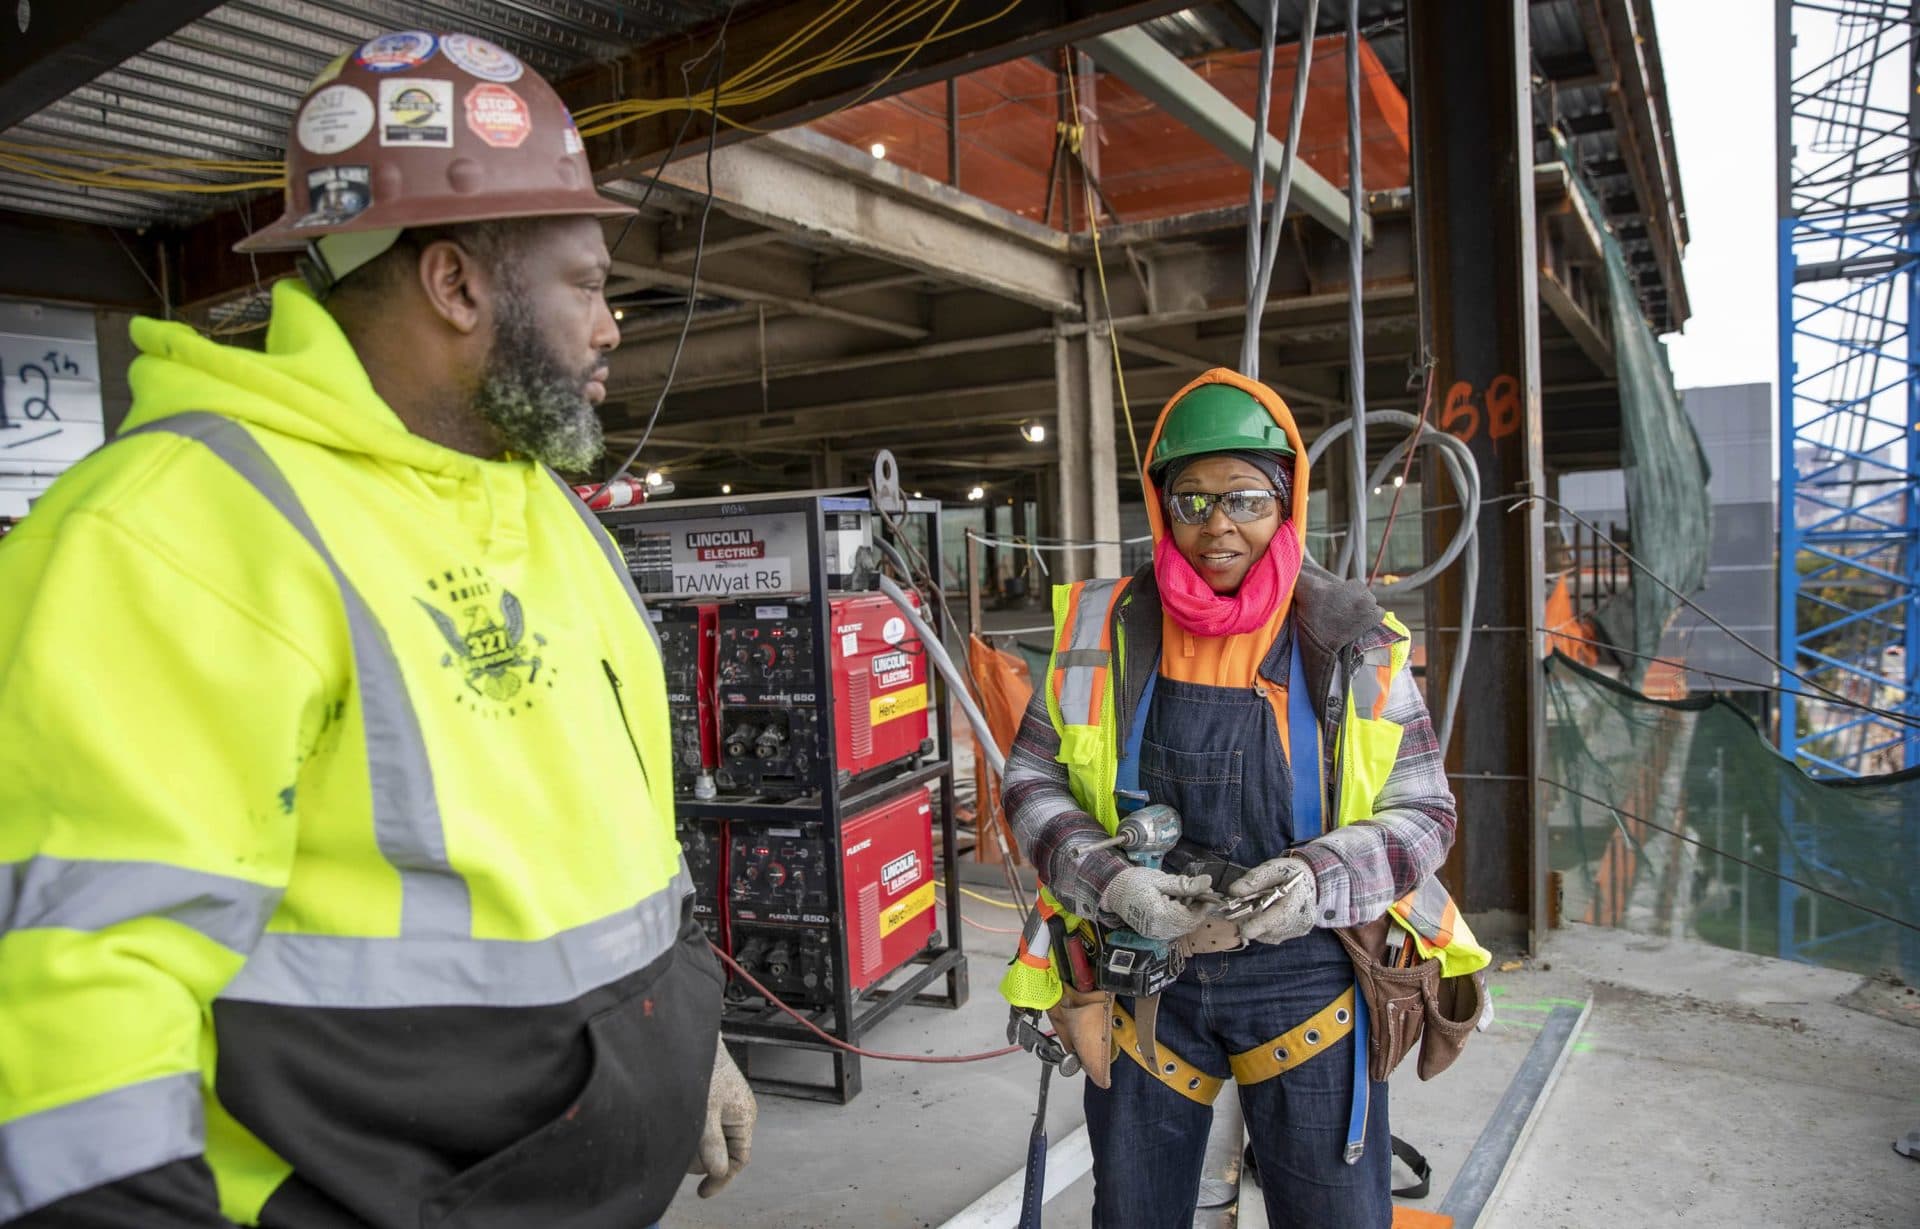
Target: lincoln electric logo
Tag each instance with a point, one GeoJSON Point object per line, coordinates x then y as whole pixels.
{"type": "Point", "coordinates": [725, 545]}
{"type": "Point", "coordinates": [498, 660]}
{"type": "Point", "coordinates": [901, 873]}
{"type": "Point", "coordinates": [892, 669]}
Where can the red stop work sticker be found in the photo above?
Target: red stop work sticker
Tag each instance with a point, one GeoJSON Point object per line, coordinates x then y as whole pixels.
{"type": "Point", "coordinates": [498, 116]}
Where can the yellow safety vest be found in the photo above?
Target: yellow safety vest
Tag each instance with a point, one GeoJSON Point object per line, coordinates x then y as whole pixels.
{"type": "Point", "coordinates": [1080, 701]}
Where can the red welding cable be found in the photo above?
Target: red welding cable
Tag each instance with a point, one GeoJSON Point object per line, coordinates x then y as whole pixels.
{"type": "Point", "coordinates": [831, 1040]}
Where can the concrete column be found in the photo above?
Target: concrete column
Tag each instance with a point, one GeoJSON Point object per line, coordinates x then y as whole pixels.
{"type": "Point", "coordinates": [1088, 469]}
{"type": "Point", "coordinates": [1046, 503]}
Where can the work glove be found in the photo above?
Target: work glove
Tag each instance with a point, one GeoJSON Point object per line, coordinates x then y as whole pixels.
{"type": "Point", "coordinates": [1154, 904]}
{"type": "Point", "coordinates": [728, 1136]}
{"type": "Point", "coordinates": [1290, 915]}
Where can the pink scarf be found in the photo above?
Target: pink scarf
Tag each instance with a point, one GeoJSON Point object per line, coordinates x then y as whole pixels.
{"type": "Point", "coordinates": [1198, 609]}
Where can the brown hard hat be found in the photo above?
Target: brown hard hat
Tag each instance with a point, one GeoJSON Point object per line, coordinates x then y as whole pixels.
{"type": "Point", "coordinates": [423, 129]}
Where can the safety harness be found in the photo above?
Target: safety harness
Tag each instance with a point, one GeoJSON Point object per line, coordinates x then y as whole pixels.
{"type": "Point", "coordinates": [1346, 1014]}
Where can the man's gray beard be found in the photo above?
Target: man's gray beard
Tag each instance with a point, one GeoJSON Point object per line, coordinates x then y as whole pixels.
{"type": "Point", "coordinates": [535, 404]}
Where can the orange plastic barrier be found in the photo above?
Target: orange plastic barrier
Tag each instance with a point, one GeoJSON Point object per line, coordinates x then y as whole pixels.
{"type": "Point", "coordinates": [1004, 686]}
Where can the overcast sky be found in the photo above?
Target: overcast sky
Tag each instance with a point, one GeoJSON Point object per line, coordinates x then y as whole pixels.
{"type": "Point", "coordinates": [1719, 68]}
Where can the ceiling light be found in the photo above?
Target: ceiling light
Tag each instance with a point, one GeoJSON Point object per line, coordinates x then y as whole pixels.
{"type": "Point", "coordinates": [1399, 481]}
{"type": "Point", "coordinates": [726, 488]}
{"type": "Point", "coordinates": [877, 150]}
{"type": "Point", "coordinates": [619, 313]}
{"type": "Point", "coordinates": [655, 477]}
{"type": "Point", "coordinates": [1376, 490]}
{"type": "Point", "coordinates": [976, 494]}
{"type": "Point", "coordinates": [1033, 432]}
{"type": "Point", "coordinates": [916, 494]}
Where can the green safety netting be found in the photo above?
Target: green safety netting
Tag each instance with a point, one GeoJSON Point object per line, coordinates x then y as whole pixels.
{"type": "Point", "coordinates": [1628, 777]}
{"type": "Point", "coordinates": [1666, 471]}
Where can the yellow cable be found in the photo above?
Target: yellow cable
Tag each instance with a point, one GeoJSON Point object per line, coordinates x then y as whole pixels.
{"type": "Point", "coordinates": [985, 900]}
{"type": "Point", "coordinates": [915, 50]}
{"type": "Point", "coordinates": [132, 172]}
{"type": "Point", "coordinates": [1106, 303]}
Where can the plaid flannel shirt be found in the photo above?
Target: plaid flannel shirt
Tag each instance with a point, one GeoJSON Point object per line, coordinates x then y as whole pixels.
{"type": "Point", "coordinates": [1358, 869]}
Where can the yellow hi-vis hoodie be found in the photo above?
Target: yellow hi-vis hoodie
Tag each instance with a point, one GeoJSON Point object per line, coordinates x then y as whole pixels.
{"type": "Point", "coordinates": [336, 827]}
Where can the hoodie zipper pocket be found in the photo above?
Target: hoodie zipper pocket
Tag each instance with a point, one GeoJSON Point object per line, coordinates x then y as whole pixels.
{"type": "Point", "coordinates": [613, 681]}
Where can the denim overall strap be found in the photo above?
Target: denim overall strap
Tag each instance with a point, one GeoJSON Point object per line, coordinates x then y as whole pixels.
{"type": "Point", "coordinates": [1306, 756]}
{"type": "Point", "coordinates": [1127, 794]}
{"type": "Point", "coordinates": [1309, 798]}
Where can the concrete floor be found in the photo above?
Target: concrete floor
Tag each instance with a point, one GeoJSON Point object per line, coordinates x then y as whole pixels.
{"type": "Point", "coordinates": [1707, 1088]}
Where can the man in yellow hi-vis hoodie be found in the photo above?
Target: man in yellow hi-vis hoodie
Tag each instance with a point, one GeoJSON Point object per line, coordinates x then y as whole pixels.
{"type": "Point", "coordinates": [338, 883]}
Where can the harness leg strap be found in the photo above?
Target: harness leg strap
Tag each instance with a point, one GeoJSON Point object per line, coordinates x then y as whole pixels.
{"type": "Point", "coordinates": [1295, 1046]}
{"type": "Point", "coordinates": [1167, 1067]}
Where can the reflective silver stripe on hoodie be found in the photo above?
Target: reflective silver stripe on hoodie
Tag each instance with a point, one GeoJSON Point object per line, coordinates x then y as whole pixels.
{"type": "Point", "coordinates": [296, 970]}
{"type": "Point", "coordinates": [62, 1151]}
{"type": "Point", "coordinates": [434, 899]}
{"type": "Point", "coordinates": [44, 893]}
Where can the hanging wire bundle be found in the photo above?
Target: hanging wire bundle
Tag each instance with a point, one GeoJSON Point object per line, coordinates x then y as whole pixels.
{"type": "Point", "coordinates": [842, 35]}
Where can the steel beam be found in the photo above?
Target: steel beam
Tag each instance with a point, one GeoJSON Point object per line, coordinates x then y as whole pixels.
{"type": "Point", "coordinates": [958, 39]}
{"type": "Point", "coordinates": [72, 262]}
{"type": "Point", "coordinates": [61, 47]}
{"type": "Point", "coordinates": [1135, 58]}
{"type": "Point", "coordinates": [763, 183]}
{"type": "Point", "coordinates": [1474, 205]}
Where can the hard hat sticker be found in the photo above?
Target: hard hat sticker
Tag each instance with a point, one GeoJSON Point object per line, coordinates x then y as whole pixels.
{"type": "Point", "coordinates": [334, 120]}
{"type": "Point", "coordinates": [336, 194]}
{"type": "Point", "coordinates": [397, 52]}
{"type": "Point", "coordinates": [416, 111]}
{"type": "Point", "coordinates": [571, 139]}
{"type": "Point", "coordinates": [482, 58]}
{"type": "Point", "coordinates": [498, 116]}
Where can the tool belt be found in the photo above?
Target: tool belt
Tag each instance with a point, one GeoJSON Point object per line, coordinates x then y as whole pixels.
{"type": "Point", "coordinates": [1408, 1002]}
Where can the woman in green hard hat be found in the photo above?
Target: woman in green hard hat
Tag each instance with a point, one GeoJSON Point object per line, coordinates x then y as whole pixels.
{"type": "Point", "coordinates": [1269, 704]}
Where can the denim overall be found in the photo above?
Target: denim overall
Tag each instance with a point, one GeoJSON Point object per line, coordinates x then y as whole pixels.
{"type": "Point", "coordinates": [1214, 754]}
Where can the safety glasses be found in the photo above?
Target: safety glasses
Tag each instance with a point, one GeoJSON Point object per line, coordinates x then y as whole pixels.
{"type": "Point", "coordinates": [1196, 507]}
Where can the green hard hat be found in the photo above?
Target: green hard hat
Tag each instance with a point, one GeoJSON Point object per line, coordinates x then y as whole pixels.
{"type": "Point", "coordinates": [1218, 418]}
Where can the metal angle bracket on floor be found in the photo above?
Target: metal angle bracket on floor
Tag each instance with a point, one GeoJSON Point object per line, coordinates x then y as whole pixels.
{"type": "Point", "coordinates": [1491, 1161]}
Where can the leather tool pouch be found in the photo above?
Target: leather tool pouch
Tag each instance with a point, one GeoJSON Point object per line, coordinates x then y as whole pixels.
{"type": "Point", "coordinates": [1453, 1009]}
{"type": "Point", "coordinates": [1083, 1020]}
{"type": "Point", "coordinates": [1412, 1005]}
